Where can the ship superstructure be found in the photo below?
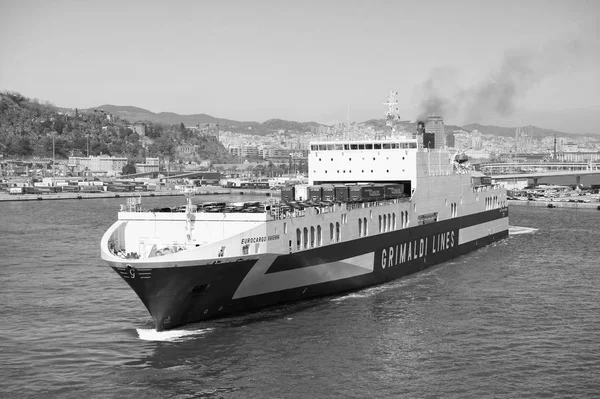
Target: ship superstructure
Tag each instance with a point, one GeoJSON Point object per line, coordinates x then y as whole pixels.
{"type": "Point", "coordinates": [375, 210]}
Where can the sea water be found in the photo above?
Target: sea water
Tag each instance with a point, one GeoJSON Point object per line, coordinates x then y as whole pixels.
{"type": "Point", "coordinates": [517, 319]}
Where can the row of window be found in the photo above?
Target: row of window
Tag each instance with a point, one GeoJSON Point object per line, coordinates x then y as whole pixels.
{"type": "Point", "coordinates": [362, 171]}
{"type": "Point", "coordinates": [491, 202]}
{"type": "Point", "coordinates": [361, 146]}
{"type": "Point", "coordinates": [306, 238]}
{"type": "Point", "coordinates": [453, 210]}
{"type": "Point", "coordinates": [310, 237]}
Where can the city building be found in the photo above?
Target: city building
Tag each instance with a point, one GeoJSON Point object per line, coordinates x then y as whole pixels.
{"type": "Point", "coordinates": [102, 165]}
{"type": "Point", "coordinates": [578, 156]}
{"type": "Point", "coordinates": [450, 142]}
{"type": "Point", "coordinates": [435, 125]}
{"type": "Point", "coordinates": [151, 165]}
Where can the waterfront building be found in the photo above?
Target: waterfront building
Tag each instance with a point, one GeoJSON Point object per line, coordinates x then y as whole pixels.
{"type": "Point", "coordinates": [477, 154]}
{"type": "Point", "coordinates": [102, 165]}
{"type": "Point", "coordinates": [150, 165]}
{"type": "Point", "coordinates": [578, 156]}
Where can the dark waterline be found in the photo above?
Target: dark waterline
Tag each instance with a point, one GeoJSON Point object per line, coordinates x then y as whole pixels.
{"type": "Point", "coordinates": [517, 319]}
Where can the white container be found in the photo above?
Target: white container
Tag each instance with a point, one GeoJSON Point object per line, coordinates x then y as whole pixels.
{"type": "Point", "coordinates": [301, 192]}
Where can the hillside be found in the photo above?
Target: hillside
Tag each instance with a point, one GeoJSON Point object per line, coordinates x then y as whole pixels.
{"type": "Point", "coordinates": [28, 129]}
{"type": "Point", "coordinates": [135, 114]}
{"type": "Point", "coordinates": [534, 131]}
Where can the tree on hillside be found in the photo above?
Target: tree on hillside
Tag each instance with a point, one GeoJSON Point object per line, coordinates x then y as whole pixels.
{"type": "Point", "coordinates": [129, 168]}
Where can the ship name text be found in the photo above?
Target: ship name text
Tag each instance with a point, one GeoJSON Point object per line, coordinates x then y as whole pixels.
{"type": "Point", "coordinates": [253, 240]}
{"type": "Point", "coordinates": [398, 254]}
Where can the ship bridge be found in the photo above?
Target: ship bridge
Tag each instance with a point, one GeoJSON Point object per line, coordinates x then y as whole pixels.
{"type": "Point", "coordinates": [376, 161]}
{"type": "Point", "coordinates": [353, 161]}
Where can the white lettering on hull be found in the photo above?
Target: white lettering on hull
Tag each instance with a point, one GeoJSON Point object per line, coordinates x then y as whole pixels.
{"type": "Point", "coordinates": [417, 249]}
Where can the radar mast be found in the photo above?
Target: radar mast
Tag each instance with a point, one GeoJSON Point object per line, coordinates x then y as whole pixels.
{"type": "Point", "coordinates": [392, 115]}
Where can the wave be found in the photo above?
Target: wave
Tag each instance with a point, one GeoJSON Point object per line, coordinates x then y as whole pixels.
{"type": "Point", "coordinates": [516, 230]}
{"type": "Point", "coordinates": [147, 334]}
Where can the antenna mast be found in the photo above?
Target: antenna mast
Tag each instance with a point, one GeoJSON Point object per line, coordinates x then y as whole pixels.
{"type": "Point", "coordinates": [392, 115]}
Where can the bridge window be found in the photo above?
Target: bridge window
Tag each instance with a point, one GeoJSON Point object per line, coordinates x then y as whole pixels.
{"type": "Point", "coordinates": [394, 219]}
{"type": "Point", "coordinates": [298, 240]}
{"type": "Point", "coordinates": [284, 227]}
{"type": "Point", "coordinates": [331, 232]}
{"type": "Point", "coordinates": [319, 236]}
{"type": "Point", "coordinates": [369, 146]}
{"type": "Point", "coordinates": [389, 225]}
{"type": "Point", "coordinates": [365, 227]}
{"type": "Point", "coordinates": [346, 146]}
{"type": "Point", "coordinates": [359, 227]}
{"type": "Point", "coordinates": [314, 147]}
{"type": "Point", "coordinates": [305, 238]}
{"type": "Point", "coordinates": [386, 146]}
{"type": "Point", "coordinates": [312, 236]}
{"type": "Point", "coordinates": [338, 232]}
{"type": "Point", "coordinates": [384, 222]}
{"type": "Point", "coordinates": [354, 146]}
{"type": "Point", "coordinates": [322, 147]}
{"type": "Point", "coordinates": [380, 227]}
{"type": "Point", "coordinates": [377, 146]}
{"type": "Point", "coordinates": [339, 147]}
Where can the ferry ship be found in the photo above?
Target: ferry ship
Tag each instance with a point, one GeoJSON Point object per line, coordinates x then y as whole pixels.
{"type": "Point", "coordinates": [375, 210]}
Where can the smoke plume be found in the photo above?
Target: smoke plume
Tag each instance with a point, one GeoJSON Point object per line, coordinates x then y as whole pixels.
{"type": "Point", "coordinates": [498, 93]}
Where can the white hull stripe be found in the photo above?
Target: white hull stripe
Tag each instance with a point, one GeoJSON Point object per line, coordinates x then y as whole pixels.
{"type": "Point", "coordinates": [478, 231]}
{"type": "Point", "coordinates": [257, 282]}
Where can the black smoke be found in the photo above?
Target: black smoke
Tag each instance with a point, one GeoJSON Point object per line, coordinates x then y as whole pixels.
{"type": "Point", "coordinates": [498, 93]}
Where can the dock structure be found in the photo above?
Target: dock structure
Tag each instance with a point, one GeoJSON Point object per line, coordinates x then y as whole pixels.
{"type": "Point", "coordinates": [105, 194]}
{"type": "Point", "coordinates": [499, 178]}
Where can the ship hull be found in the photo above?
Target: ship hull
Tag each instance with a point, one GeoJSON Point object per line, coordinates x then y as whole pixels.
{"type": "Point", "coordinates": [175, 296]}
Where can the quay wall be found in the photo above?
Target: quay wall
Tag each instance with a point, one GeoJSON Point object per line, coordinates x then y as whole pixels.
{"type": "Point", "coordinates": [556, 204]}
{"type": "Point", "coordinates": [110, 194]}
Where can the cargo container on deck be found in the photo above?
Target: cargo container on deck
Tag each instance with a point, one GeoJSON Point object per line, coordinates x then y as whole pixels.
{"type": "Point", "coordinates": [328, 193]}
{"type": "Point", "coordinates": [315, 193]}
{"type": "Point", "coordinates": [287, 193]}
{"type": "Point", "coordinates": [366, 192]}
{"type": "Point", "coordinates": [341, 193]}
{"type": "Point", "coordinates": [393, 191]}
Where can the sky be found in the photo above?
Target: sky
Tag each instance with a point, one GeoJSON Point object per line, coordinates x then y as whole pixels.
{"type": "Point", "coordinates": [509, 63]}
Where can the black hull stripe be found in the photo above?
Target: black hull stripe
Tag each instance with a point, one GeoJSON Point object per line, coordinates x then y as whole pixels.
{"type": "Point", "coordinates": [171, 300]}
{"type": "Point", "coordinates": [359, 246]}
{"type": "Point", "coordinates": [379, 276]}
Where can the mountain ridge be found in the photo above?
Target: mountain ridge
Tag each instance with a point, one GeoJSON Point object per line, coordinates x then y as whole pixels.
{"type": "Point", "coordinates": [137, 114]}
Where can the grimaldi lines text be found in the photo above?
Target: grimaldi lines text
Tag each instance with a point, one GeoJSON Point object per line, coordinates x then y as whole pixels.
{"type": "Point", "coordinates": [416, 249]}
